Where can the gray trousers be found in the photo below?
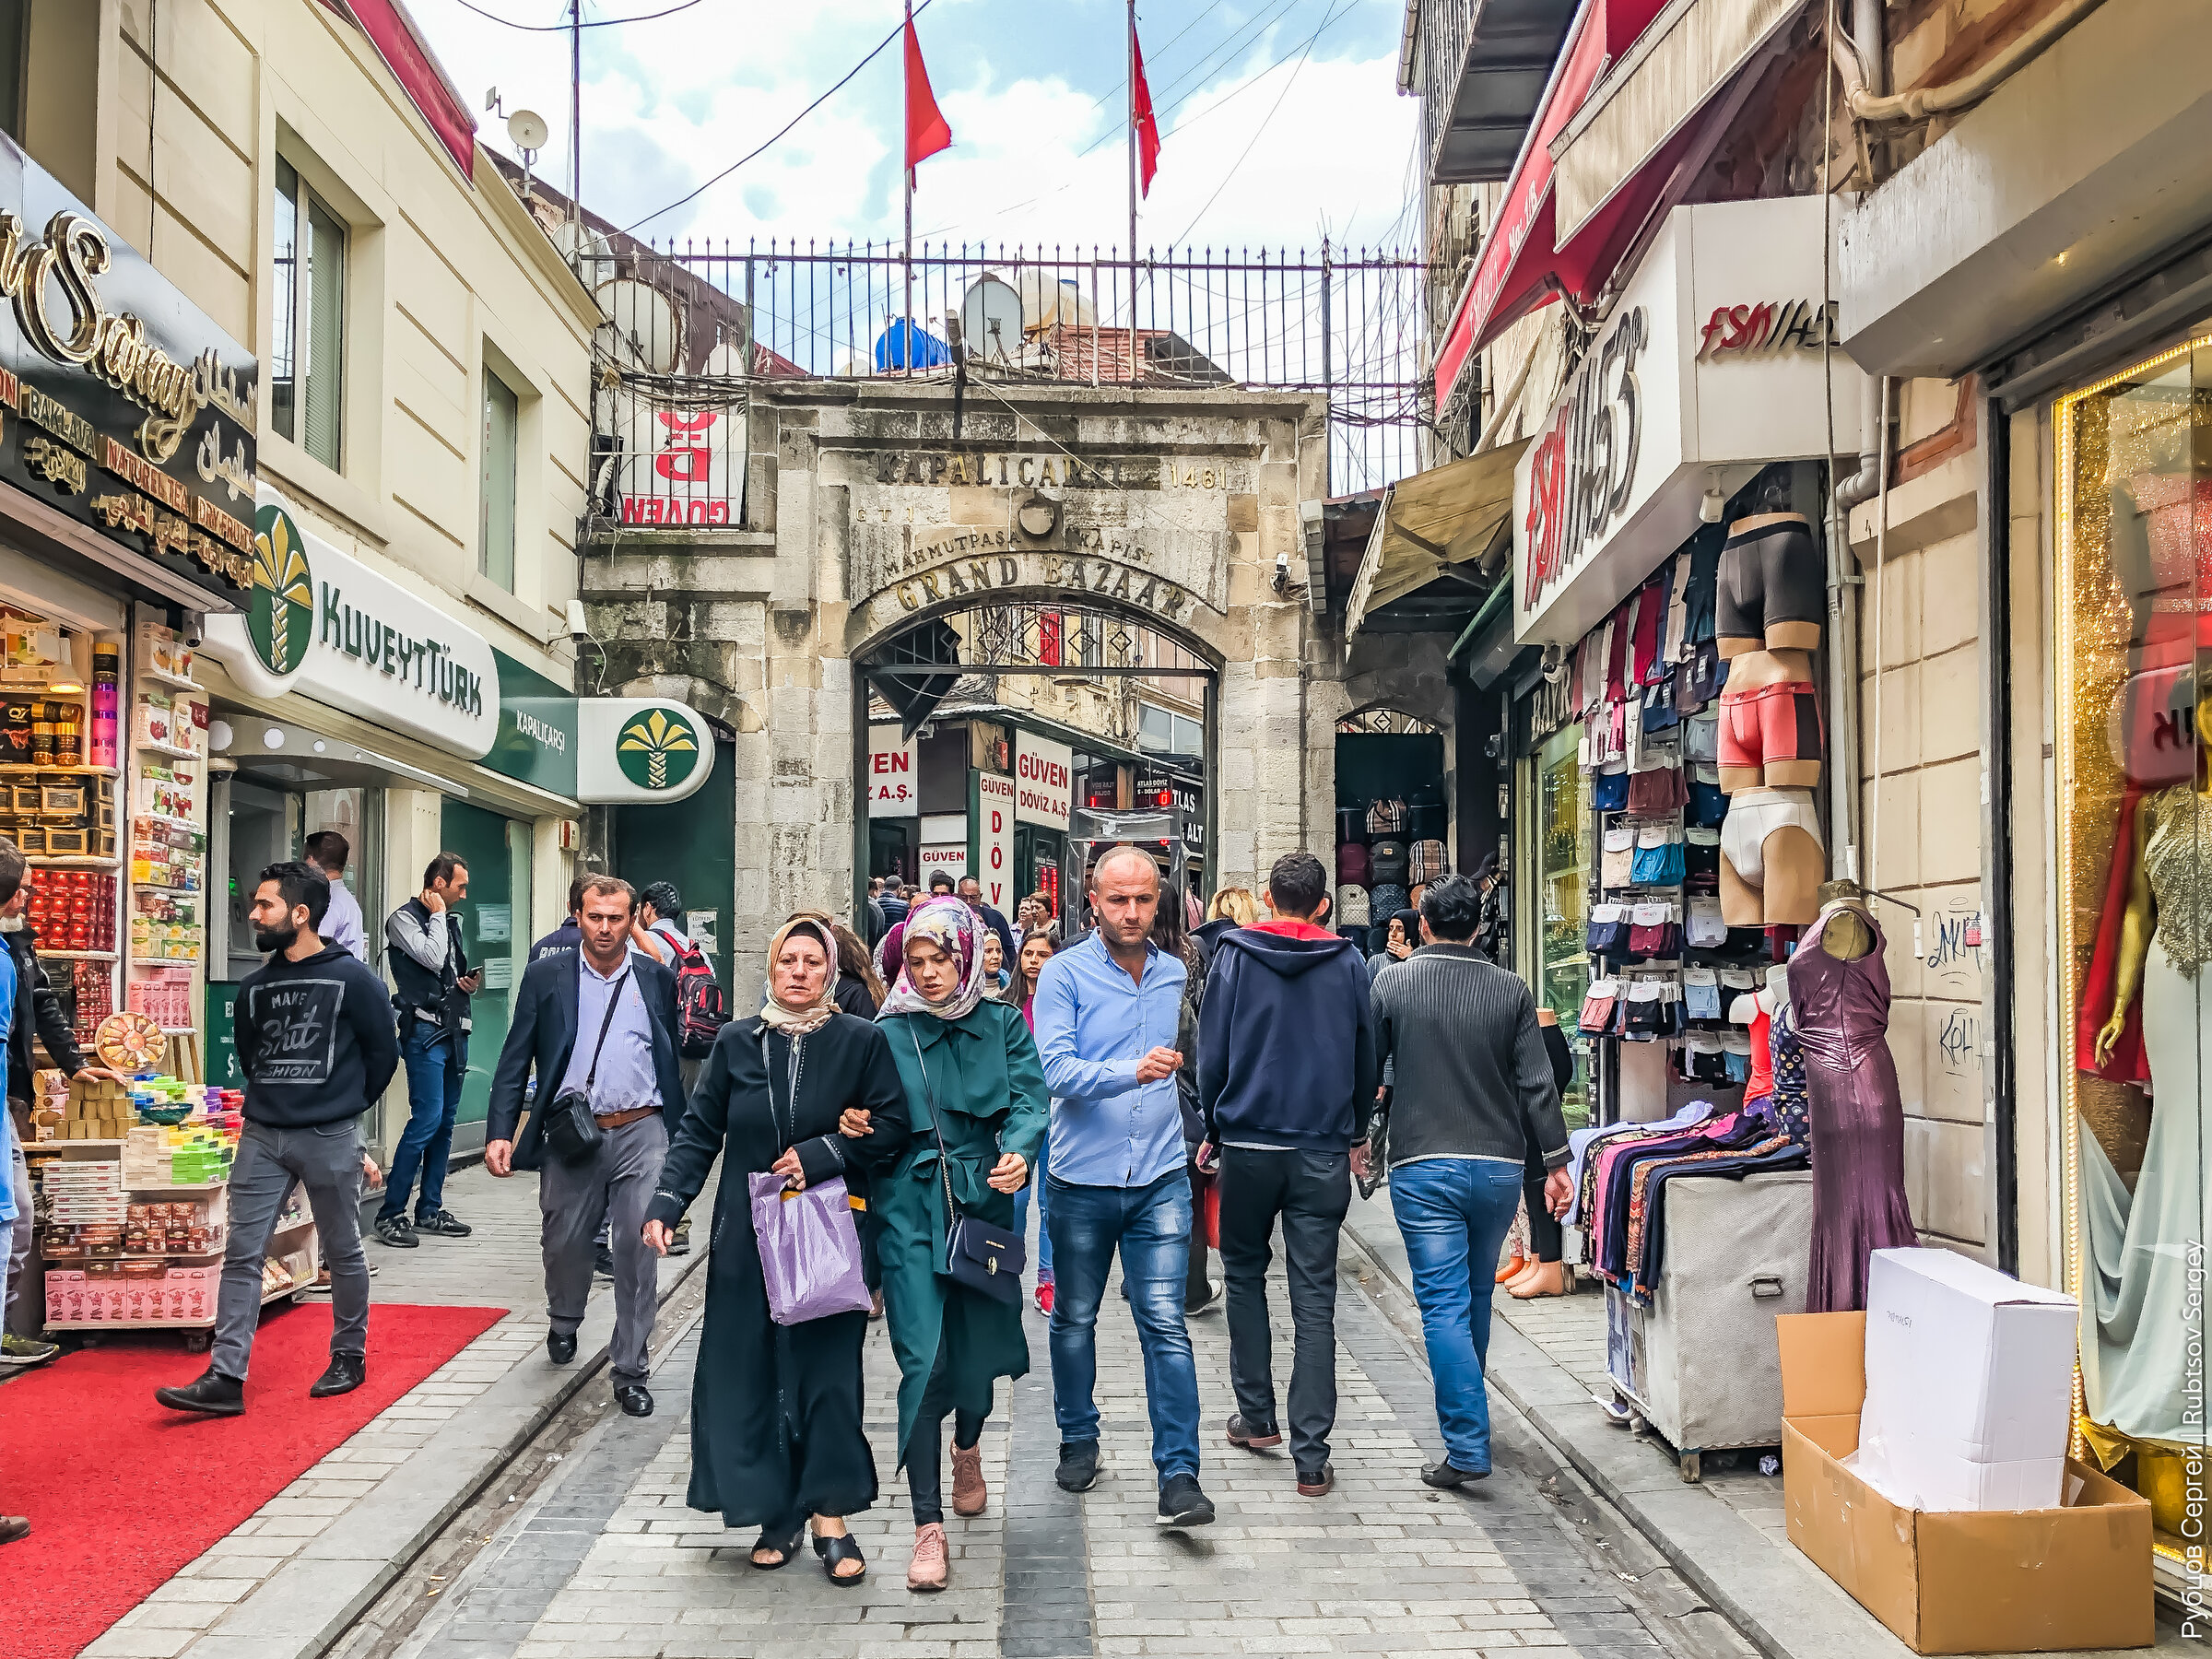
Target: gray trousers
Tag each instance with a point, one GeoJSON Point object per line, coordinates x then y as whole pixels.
{"type": "Point", "coordinates": [18, 1250]}
{"type": "Point", "coordinates": [327, 1160]}
{"type": "Point", "coordinates": [615, 1184]}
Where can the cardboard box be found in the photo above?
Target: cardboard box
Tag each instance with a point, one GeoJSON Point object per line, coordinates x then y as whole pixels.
{"type": "Point", "coordinates": [1969, 1384]}
{"type": "Point", "coordinates": [2025, 1582]}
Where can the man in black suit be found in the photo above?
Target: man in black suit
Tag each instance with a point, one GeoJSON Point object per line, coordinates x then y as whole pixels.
{"type": "Point", "coordinates": [630, 1077]}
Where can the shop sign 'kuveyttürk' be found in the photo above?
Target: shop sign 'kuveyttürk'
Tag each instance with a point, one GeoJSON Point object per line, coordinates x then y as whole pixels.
{"type": "Point", "coordinates": [132, 412]}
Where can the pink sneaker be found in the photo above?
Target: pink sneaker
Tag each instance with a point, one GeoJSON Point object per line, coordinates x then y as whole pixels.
{"type": "Point", "coordinates": [927, 1573]}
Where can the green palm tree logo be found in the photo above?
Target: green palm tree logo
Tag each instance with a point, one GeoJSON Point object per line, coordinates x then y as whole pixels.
{"type": "Point", "coordinates": [658, 750]}
{"type": "Point", "coordinates": [281, 617]}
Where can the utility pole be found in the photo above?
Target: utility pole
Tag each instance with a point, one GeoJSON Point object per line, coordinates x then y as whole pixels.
{"type": "Point", "coordinates": [575, 109]}
{"type": "Point", "coordinates": [906, 346]}
{"type": "Point", "coordinates": [1132, 56]}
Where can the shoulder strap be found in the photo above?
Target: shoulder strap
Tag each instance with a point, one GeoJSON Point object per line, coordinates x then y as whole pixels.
{"type": "Point", "coordinates": [607, 1020]}
{"type": "Point", "coordinates": [936, 1127]}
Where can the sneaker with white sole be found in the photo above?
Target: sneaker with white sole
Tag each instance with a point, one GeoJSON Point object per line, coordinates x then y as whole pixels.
{"type": "Point", "coordinates": [26, 1350]}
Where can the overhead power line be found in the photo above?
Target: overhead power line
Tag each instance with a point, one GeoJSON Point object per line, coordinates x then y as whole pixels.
{"type": "Point", "coordinates": [786, 127]}
{"type": "Point", "coordinates": [564, 28]}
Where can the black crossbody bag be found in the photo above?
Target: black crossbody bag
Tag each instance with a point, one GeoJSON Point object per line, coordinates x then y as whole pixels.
{"type": "Point", "coordinates": [571, 1129]}
{"type": "Point", "coordinates": [980, 1254]}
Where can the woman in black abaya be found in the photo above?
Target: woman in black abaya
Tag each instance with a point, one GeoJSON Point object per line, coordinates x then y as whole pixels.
{"type": "Point", "coordinates": [776, 1409]}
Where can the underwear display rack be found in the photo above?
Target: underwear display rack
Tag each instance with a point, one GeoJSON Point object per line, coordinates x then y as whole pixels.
{"type": "Point", "coordinates": [1656, 947]}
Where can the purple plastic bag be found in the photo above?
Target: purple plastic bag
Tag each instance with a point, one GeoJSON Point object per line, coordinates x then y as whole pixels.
{"type": "Point", "coordinates": [809, 1249]}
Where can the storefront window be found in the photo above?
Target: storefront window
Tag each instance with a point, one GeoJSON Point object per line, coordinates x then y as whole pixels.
{"type": "Point", "coordinates": [2133, 679]}
{"type": "Point", "coordinates": [1563, 863]}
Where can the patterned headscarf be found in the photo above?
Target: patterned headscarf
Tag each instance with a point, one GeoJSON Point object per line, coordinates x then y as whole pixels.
{"type": "Point", "coordinates": [950, 926]}
{"type": "Point", "coordinates": [799, 1022]}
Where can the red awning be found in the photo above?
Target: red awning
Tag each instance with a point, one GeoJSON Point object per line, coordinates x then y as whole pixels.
{"type": "Point", "coordinates": [1520, 268]}
{"type": "Point", "coordinates": [394, 35]}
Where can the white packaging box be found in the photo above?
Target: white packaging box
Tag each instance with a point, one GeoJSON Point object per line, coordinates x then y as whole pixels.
{"type": "Point", "coordinates": [1969, 1384]}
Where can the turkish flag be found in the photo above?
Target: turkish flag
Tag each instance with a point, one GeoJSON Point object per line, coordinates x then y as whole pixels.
{"type": "Point", "coordinates": [926, 133]}
{"type": "Point", "coordinates": [1148, 129]}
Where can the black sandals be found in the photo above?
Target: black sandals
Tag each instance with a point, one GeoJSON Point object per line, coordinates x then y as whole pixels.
{"type": "Point", "coordinates": [786, 1549]}
{"type": "Point", "coordinates": [841, 1548]}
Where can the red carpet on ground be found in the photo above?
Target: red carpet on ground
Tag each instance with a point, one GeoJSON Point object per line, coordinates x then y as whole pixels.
{"type": "Point", "coordinates": [121, 1493]}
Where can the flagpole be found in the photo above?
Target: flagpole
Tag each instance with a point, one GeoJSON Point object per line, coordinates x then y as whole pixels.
{"type": "Point", "coordinates": [906, 347]}
{"type": "Point", "coordinates": [1133, 346]}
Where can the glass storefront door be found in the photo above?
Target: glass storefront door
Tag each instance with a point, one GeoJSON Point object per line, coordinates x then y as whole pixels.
{"type": "Point", "coordinates": [495, 932]}
{"type": "Point", "coordinates": [2132, 605]}
{"type": "Point", "coordinates": [1561, 805]}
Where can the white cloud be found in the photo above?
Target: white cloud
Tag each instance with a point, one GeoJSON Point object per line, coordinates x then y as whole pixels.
{"type": "Point", "coordinates": [670, 103]}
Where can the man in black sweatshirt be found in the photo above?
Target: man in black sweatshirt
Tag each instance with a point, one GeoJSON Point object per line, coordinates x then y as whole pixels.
{"type": "Point", "coordinates": [314, 1036]}
{"type": "Point", "coordinates": [1287, 1076]}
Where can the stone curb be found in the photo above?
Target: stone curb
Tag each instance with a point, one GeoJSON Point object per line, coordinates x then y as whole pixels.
{"type": "Point", "coordinates": [310, 1601]}
{"type": "Point", "coordinates": [1782, 1604]}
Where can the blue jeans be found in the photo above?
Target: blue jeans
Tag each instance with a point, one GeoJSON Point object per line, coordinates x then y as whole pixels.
{"type": "Point", "coordinates": [1453, 1213]}
{"type": "Point", "coordinates": [1044, 1223]}
{"type": "Point", "coordinates": [1152, 1227]}
{"type": "Point", "coordinates": [436, 1064]}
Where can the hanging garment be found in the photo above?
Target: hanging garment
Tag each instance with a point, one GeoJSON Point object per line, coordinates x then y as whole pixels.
{"type": "Point", "coordinates": [1705, 930]}
{"type": "Point", "coordinates": [1616, 856]}
{"type": "Point", "coordinates": [1856, 1114]}
{"type": "Point", "coordinates": [2141, 1357]}
{"type": "Point", "coordinates": [1597, 1005]}
{"type": "Point", "coordinates": [1607, 934]}
{"type": "Point", "coordinates": [1701, 862]}
{"type": "Point", "coordinates": [1609, 792]}
{"type": "Point", "coordinates": [1658, 859]}
{"type": "Point", "coordinates": [1701, 996]}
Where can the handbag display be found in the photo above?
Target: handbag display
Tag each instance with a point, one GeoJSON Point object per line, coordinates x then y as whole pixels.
{"type": "Point", "coordinates": [1426, 861]}
{"type": "Point", "coordinates": [571, 1129]}
{"type": "Point", "coordinates": [980, 1254]}
{"type": "Point", "coordinates": [1352, 905]}
{"type": "Point", "coordinates": [1386, 817]}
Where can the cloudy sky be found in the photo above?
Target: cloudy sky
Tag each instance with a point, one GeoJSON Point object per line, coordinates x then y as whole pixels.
{"type": "Point", "coordinates": [1280, 117]}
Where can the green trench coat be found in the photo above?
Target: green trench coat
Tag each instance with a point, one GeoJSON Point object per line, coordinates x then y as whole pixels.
{"type": "Point", "coordinates": [988, 1084]}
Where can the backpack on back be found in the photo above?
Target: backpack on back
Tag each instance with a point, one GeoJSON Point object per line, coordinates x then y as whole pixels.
{"type": "Point", "coordinates": [701, 1009]}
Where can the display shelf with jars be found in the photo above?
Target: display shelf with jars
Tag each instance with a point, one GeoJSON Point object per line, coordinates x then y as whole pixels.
{"type": "Point", "coordinates": [164, 841]}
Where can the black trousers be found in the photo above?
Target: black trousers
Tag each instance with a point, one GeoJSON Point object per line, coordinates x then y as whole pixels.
{"type": "Point", "coordinates": [1310, 1192]}
{"type": "Point", "coordinates": [925, 1447]}
{"type": "Point", "coordinates": [1544, 1236]}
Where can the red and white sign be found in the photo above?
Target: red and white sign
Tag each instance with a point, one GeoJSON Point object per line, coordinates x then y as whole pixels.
{"type": "Point", "coordinates": [994, 838]}
{"type": "Point", "coordinates": [952, 860]}
{"type": "Point", "coordinates": [1044, 781]}
{"type": "Point", "coordinates": [682, 466]}
{"type": "Point", "coordinates": [893, 783]}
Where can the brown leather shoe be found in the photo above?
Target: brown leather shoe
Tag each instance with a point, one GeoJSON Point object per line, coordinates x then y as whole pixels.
{"type": "Point", "coordinates": [970, 1494]}
{"type": "Point", "coordinates": [1317, 1485]}
{"type": "Point", "coordinates": [13, 1527]}
{"type": "Point", "coordinates": [926, 1574]}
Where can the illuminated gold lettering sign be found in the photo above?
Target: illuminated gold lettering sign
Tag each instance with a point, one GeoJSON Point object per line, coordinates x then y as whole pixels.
{"type": "Point", "coordinates": [86, 335]}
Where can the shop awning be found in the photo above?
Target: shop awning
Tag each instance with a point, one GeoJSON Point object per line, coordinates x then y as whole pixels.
{"type": "Point", "coordinates": [1432, 523]}
{"type": "Point", "coordinates": [1691, 51]}
{"type": "Point", "coordinates": [1513, 275]}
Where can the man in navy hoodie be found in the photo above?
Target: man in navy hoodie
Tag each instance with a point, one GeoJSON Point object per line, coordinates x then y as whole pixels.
{"type": "Point", "coordinates": [1287, 1076]}
{"type": "Point", "coordinates": [314, 1036]}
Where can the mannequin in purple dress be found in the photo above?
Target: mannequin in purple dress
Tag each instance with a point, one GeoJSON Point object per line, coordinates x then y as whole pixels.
{"type": "Point", "coordinates": [1840, 996]}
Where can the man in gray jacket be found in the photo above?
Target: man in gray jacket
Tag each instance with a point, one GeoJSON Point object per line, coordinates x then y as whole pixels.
{"type": "Point", "coordinates": [1473, 1090]}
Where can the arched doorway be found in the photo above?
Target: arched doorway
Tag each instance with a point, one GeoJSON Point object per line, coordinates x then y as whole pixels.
{"type": "Point", "coordinates": [992, 726]}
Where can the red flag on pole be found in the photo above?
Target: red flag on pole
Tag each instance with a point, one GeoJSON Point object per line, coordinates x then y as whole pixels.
{"type": "Point", "coordinates": [1148, 129]}
{"type": "Point", "coordinates": [926, 131]}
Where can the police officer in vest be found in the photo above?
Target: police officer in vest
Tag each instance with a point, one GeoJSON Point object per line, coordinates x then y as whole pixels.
{"type": "Point", "coordinates": [435, 984]}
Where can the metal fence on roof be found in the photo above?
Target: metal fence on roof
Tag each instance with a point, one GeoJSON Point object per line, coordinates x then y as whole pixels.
{"type": "Point", "coordinates": [692, 322]}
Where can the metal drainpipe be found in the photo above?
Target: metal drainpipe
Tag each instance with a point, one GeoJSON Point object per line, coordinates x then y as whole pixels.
{"type": "Point", "coordinates": [1842, 588]}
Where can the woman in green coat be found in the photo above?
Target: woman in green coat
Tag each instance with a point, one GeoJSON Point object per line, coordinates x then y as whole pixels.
{"type": "Point", "coordinates": [972, 1079]}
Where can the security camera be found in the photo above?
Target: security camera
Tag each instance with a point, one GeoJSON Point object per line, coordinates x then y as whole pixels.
{"type": "Point", "coordinates": [1282, 571]}
{"type": "Point", "coordinates": [578, 628]}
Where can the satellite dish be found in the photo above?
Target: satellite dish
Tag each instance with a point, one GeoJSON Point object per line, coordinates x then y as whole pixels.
{"type": "Point", "coordinates": [528, 129]}
{"type": "Point", "coordinates": [645, 320]}
{"type": "Point", "coordinates": [991, 322]}
{"type": "Point", "coordinates": [727, 362]}
{"type": "Point", "coordinates": [586, 250]}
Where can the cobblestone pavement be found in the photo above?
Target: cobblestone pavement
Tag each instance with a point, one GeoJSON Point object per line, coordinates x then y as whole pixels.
{"type": "Point", "coordinates": [608, 1562]}
{"type": "Point", "coordinates": [303, 1567]}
